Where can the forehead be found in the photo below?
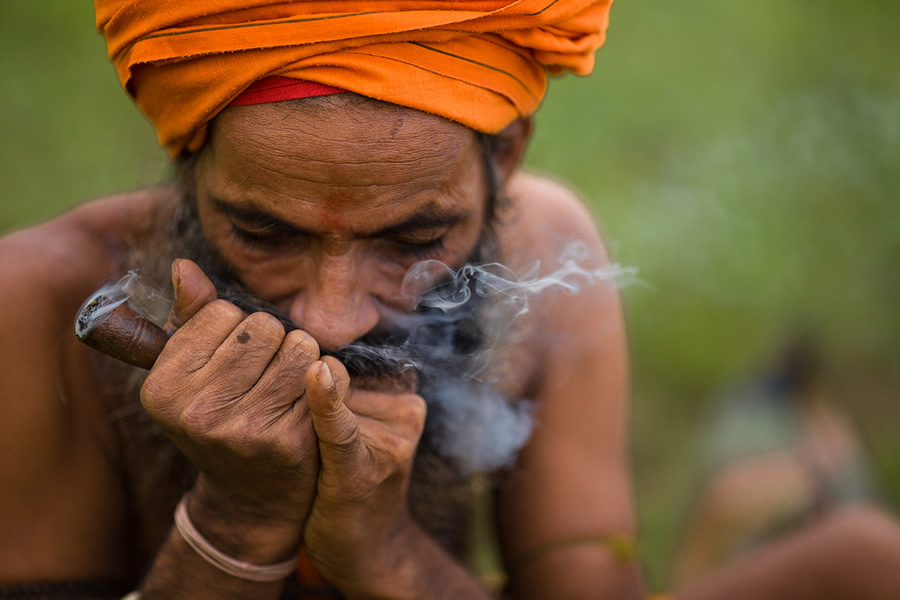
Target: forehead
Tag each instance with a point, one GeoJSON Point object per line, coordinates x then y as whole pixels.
{"type": "Point", "coordinates": [342, 149]}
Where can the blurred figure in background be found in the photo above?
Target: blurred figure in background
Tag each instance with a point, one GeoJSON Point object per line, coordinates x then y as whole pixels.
{"type": "Point", "coordinates": [780, 454]}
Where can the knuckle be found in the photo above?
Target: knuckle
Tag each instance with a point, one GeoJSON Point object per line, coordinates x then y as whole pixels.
{"type": "Point", "coordinates": [406, 449]}
{"type": "Point", "coordinates": [222, 311]}
{"type": "Point", "coordinates": [152, 390]}
{"type": "Point", "coordinates": [258, 333]}
{"type": "Point", "coordinates": [413, 412]}
{"type": "Point", "coordinates": [266, 324]}
{"type": "Point", "coordinates": [284, 384]}
{"type": "Point", "coordinates": [401, 449]}
{"type": "Point", "coordinates": [345, 434]}
{"type": "Point", "coordinates": [250, 437]}
{"type": "Point", "coordinates": [243, 441]}
{"type": "Point", "coordinates": [304, 344]}
{"type": "Point", "coordinates": [157, 390]}
{"type": "Point", "coordinates": [200, 422]}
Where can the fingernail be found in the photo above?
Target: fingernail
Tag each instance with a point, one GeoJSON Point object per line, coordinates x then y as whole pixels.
{"type": "Point", "coordinates": [325, 378]}
{"type": "Point", "coordinates": [176, 278]}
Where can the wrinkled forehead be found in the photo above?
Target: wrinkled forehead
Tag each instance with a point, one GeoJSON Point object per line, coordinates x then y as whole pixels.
{"type": "Point", "coordinates": [342, 153]}
{"type": "Point", "coordinates": [339, 128]}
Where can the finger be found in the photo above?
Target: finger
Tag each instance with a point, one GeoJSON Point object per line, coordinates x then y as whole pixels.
{"type": "Point", "coordinates": [337, 428]}
{"type": "Point", "coordinates": [387, 407]}
{"type": "Point", "coordinates": [169, 387]}
{"type": "Point", "coordinates": [284, 379]}
{"type": "Point", "coordinates": [192, 346]}
{"type": "Point", "coordinates": [193, 290]}
{"type": "Point", "coordinates": [402, 415]}
{"type": "Point", "coordinates": [241, 359]}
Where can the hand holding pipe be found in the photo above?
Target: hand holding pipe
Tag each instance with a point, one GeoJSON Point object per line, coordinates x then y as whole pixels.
{"type": "Point", "coordinates": [117, 330]}
{"type": "Point", "coordinates": [108, 324]}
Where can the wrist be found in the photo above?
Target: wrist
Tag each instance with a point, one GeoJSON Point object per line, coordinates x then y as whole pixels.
{"type": "Point", "coordinates": [224, 562]}
{"type": "Point", "coordinates": [241, 532]}
{"type": "Point", "coordinates": [375, 570]}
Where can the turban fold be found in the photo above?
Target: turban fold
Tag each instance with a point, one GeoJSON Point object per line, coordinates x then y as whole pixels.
{"type": "Point", "coordinates": [482, 63]}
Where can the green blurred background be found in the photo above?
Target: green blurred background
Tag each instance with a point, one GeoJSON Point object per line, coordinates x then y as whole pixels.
{"type": "Point", "coordinates": [742, 155]}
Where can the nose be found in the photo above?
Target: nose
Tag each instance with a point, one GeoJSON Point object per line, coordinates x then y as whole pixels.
{"type": "Point", "coordinates": [335, 306]}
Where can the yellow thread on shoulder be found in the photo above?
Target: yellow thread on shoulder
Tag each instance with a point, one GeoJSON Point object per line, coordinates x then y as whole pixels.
{"type": "Point", "coordinates": [622, 546]}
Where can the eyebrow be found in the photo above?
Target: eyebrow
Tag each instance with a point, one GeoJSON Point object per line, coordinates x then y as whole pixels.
{"type": "Point", "coordinates": [256, 217]}
{"type": "Point", "coordinates": [427, 217]}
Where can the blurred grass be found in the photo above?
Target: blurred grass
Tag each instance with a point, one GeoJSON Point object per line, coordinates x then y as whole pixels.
{"type": "Point", "coordinates": [744, 156]}
{"type": "Point", "coordinates": [70, 132]}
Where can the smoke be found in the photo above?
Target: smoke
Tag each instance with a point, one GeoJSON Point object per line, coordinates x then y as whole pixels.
{"type": "Point", "coordinates": [462, 320]}
{"type": "Point", "coordinates": [133, 290]}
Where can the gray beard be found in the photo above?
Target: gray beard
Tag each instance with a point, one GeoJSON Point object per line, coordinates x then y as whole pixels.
{"type": "Point", "coordinates": [442, 490]}
{"type": "Point", "coordinates": [451, 340]}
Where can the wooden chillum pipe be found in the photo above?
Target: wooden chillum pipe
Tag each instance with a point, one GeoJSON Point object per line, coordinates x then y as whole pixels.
{"type": "Point", "coordinates": [124, 334]}
{"type": "Point", "coordinates": [119, 332]}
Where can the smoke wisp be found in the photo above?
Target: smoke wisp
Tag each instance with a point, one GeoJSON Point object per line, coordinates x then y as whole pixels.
{"type": "Point", "coordinates": [461, 319]}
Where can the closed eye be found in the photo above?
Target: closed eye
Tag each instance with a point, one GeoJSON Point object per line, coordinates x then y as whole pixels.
{"type": "Point", "coordinates": [268, 239]}
{"type": "Point", "coordinates": [423, 250]}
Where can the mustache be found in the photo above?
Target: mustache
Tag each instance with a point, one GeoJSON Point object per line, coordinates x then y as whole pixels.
{"type": "Point", "coordinates": [440, 338]}
{"type": "Point", "coordinates": [453, 341]}
{"type": "Point", "coordinates": [411, 341]}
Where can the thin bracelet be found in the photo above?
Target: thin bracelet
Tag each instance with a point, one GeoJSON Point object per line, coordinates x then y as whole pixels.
{"type": "Point", "coordinates": [223, 562]}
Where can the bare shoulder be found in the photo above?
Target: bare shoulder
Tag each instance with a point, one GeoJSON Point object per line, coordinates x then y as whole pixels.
{"type": "Point", "coordinates": [51, 420]}
{"type": "Point", "coordinates": [576, 358]}
{"type": "Point", "coordinates": [549, 198]}
{"type": "Point", "coordinates": [48, 269]}
{"type": "Point", "coordinates": [546, 230]}
{"type": "Point", "coordinates": [91, 238]}
{"type": "Point", "coordinates": [543, 217]}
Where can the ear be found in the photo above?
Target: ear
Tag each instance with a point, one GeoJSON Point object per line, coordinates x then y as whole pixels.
{"type": "Point", "coordinates": [509, 147]}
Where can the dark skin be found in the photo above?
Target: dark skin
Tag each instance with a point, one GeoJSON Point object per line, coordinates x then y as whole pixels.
{"type": "Point", "coordinates": [288, 447]}
{"type": "Point", "coordinates": [358, 195]}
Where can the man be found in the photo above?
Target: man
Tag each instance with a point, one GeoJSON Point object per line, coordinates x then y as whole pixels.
{"type": "Point", "coordinates": [317, 207]}
{"type": "Point", "coordinates": [313, 202]}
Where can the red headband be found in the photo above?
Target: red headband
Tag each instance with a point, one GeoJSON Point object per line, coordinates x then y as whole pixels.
{"type": "Point", "coordinates": [276, 89]}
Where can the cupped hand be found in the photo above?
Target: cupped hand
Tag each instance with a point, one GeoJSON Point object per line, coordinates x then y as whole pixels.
{"type": "Point", "coordinates": [229, 390]}
{"type": "Point", "coordinates": [367, 442]}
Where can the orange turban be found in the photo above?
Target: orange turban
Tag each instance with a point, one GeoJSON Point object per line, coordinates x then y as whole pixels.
{"type": "Point", "coordinates": [482, 63]}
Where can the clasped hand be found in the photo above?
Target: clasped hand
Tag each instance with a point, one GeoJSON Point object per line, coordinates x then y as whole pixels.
{"type": "Point", "coordinates": [279, 435]}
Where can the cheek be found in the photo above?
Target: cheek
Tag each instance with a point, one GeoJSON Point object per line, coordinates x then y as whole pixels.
{"type": "Point", "coordinates": [274, 278]}
{"type": "Point", "coordinates": [265, 275]}
{"type": "Point", "coordinates": [469, 238]}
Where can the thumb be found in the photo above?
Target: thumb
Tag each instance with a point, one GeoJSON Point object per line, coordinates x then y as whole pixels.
{"type": "Point", "coordinates": [193, 291]}
{"type": "Point", "coordinates": [337, 428]}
